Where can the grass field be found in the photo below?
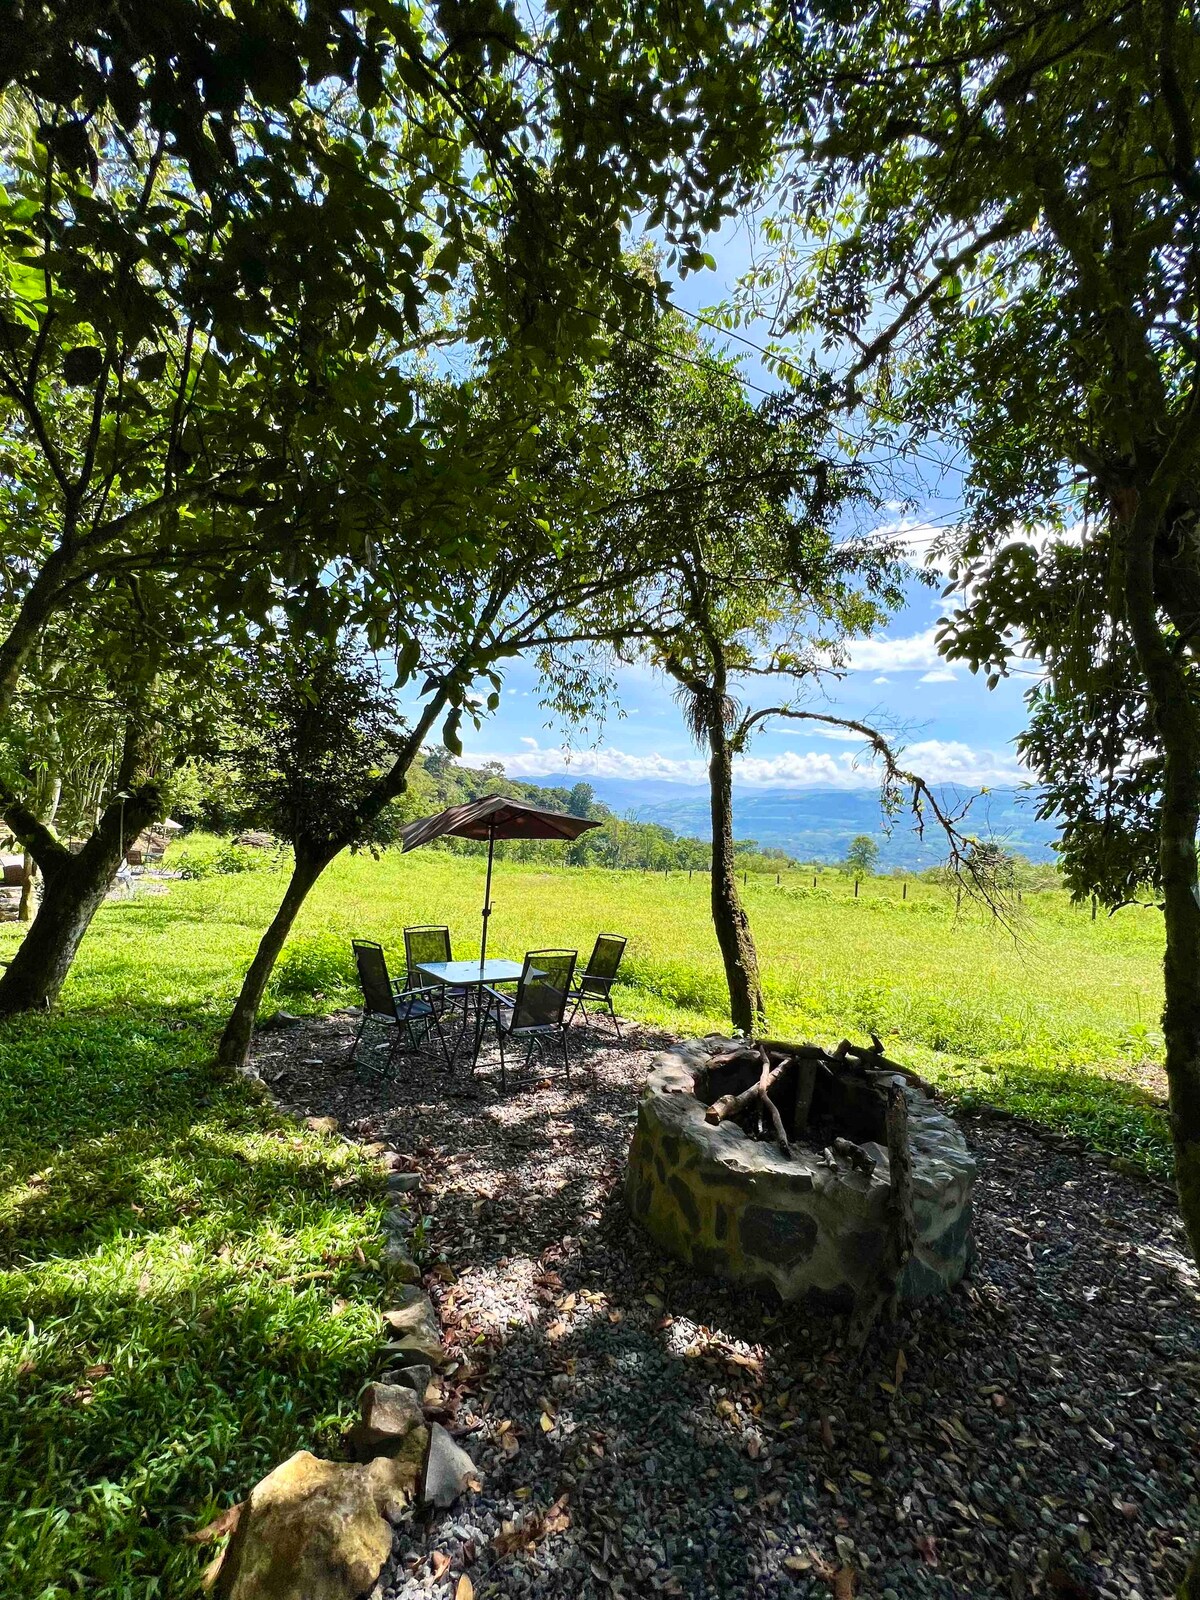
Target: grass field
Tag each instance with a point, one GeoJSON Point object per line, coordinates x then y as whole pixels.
{"type": "Point", "coordinates": [186, 1283]}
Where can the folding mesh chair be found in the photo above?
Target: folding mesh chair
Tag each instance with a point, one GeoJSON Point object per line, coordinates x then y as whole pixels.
{"type": "Point", "coordinates": [597, 978]}
{"type": "Point", "coordinates": [410, 1012]}
{"type": "Point", "coordinates": [426, 943]}
{"type": "Point", "coordinates": [535, 1013]}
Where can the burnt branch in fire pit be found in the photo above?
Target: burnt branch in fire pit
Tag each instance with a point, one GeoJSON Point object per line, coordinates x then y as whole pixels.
{"type": "Point", "coordinates": [755, 1097]}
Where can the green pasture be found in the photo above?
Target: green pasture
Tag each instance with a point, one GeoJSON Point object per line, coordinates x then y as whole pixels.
{"type": "Point", "coordinates": [1056, 1019]}
{"type": "Point", "coordinates": [186, 1281]}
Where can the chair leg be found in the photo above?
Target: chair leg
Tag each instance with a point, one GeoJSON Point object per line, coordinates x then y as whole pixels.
{"type": "Point", "coordinates": [437, 1027]}
{"type": "Point", "coordinates": [613, 1015]}
{"type": "Point", "coordinates": [566, 1058]}
{"type": "Point", "coordinates": [500, 1041]}
{"type": "Point", "coordinates": [358, 1033]}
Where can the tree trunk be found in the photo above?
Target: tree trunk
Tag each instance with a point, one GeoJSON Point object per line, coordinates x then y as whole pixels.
{"type": "Point", "coordinates": [1177, 719]}
{"type": "Point", "coordinates": [28, 878]}
{"type": "Point", "coordinates": [73, 890]}
{"type": "Point", "coordinates": [746, 1009]}
{"type": "Point", "coordinates": [29, 870]}
{"type": "Point", "coordinates": [235, 1041]}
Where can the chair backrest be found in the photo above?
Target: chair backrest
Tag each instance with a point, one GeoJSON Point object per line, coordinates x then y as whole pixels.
{"type": "Point", "coordinates": [605, 958]}
{"type": "Point", "coordinates": [542, 992]}
{"type": "Point", "coordinates": [425, 943]}
{"type": "Point", "coordinates": [373, 976]}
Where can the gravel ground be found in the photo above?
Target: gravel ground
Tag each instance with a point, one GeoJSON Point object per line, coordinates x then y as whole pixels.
{"type": "Point", "coordinates": [639, 1431]}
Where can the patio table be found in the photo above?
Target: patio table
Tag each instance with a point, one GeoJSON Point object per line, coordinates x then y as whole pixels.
{"type": "Point", "coordinates": [471, 975]}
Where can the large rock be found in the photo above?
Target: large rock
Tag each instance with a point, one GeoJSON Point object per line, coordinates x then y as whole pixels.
{"type": "Point", "coordinates": [401, 1268]}
{"type": "Point", "coordinates": [395, 1479]}
{"type": "Point", "coordinates": [448, 1470]}
{"type": "Point", "coordinates": [736, 1207]}
{"type": "Point", "coordinates": [389, 1414]}
{"type": "Point", "coordinates": [417, 1378]}
{"type": "Point", "coordinates": [311, 1530]}
{"type": "Point", "coordinates": [413, 1325]}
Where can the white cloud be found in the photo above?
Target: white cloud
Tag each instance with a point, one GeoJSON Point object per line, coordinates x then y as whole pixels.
{"type": "Point", "coordinates": [910, 653]}
{"type": "Point", "coordinates": [530, 744]}
{"type": "Point", "coordinates": [939, 675]}
{"type": "Point", "coordinates": [881, 679]}
{"type": "Point", "coordinates": [821, 730]}
{"type": "Point", "coordinates": [936, 760]}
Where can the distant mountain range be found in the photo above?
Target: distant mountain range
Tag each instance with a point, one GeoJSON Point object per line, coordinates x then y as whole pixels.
{"type": "Point", "coordinates": [818, 824]}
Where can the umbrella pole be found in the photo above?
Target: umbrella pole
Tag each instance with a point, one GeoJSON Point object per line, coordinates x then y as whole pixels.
{"type": "Point", "coordinates": [487, 894]}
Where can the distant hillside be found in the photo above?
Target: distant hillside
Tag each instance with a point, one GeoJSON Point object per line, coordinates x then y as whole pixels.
{"type": "Point", "coordinates": [818, 824]}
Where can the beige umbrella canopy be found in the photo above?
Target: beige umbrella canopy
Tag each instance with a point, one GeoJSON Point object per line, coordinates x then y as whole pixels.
{"type": "Point", "coordinates": [494, 817]}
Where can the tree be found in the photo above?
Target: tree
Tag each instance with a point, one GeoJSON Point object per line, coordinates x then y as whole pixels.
{"type": "Point", "coordinates": [548, 568]}
{"type": "Point", "coordinates": [580, 802]}
{"type": "Point", "coordinates": [862, 856]}
{"type": "Point", "coordinates": [96, 734]}
{"type": "Point", "coordinates": [758, 591]}
{"type": "Point", "coordinates": [318, 728]}
{"type": "Point", "coordinates": [1024, 189]}
{"type": "Point", "coordinates": [230, 244]}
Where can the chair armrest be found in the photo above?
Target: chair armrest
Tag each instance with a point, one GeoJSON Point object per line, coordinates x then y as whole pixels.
{"type": "Point", "coordinates": [504, 999]}
{"type": "Point", "coordinates": [412, 997]}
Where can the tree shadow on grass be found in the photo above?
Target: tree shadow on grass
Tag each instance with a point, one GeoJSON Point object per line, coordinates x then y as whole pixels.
{"type": "Point", "coordinates": [183, 1301]}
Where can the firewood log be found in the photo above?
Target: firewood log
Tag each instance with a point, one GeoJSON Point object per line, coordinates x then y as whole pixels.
{"type": "Point", "coordinates": [757, 1095]}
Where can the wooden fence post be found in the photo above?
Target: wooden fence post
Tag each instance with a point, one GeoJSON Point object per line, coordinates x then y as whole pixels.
{"type": "Point", "coordinates": [856, 888]}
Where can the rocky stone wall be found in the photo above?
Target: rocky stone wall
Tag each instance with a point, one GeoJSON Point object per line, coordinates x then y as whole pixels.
{"type": "Point", "coordinates": [736, 1207]}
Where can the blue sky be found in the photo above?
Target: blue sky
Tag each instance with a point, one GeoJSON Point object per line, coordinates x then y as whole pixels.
{"type": "Point", "coordinates": [953, 728]}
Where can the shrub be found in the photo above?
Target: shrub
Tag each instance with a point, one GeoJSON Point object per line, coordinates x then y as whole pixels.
{"type": "Point", "coordinates": [317, 963]}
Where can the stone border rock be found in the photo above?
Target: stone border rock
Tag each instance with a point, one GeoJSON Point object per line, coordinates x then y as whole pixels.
{"type": "Point", "coordinates": [325, 1530]}
{"type": "Point", "coordinates": [735, 1207]}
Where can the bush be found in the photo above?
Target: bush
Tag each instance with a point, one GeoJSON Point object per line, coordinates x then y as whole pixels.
{"type": "Point", "coordinates": [229, 859]}
{"type": "Point", "coordinates": [318, 963]}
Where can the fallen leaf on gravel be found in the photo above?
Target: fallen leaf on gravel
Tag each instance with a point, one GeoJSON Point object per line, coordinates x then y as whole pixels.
{"type": "Point", "coordinates": [217, 1528]}
{"type": "Point", "coordinates": [547, 1423]}
{"type": "Point", "coordinates": [556, 1329]}
{"type": "Point", "coordinates": [464, 1589]}
{"type": "Point", "coordinates": [901, 1368]}
{"type": "Point", "coordinates": [797, 1563]}
{"type": "Point", "coordinates": [753, 1447]}
{"type": "Point", "coordinates": [527, 1532]}
{"type": "Point", "coordinates": [653, 1300]}
{"type": "Point", "coordinates": [926, 1546]}
{"type": "Point", "coordinates": [567, 1303]}
{"type": "Point", "coordinates": [741, 1492]}
{"type": "Point", "coordinates": [845, 1583]}
{"type": "Point", "coordinates": [827, 1433]}
{"type": "Point", "coordinates": [439, 1564]}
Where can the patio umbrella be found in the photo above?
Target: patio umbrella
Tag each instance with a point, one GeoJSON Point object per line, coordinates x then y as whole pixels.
{"type": "Point", "coordinates": [494, 817]}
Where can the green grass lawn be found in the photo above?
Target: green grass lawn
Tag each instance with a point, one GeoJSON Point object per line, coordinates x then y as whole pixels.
{"type": "Point", "coordinates": [183, 1295]}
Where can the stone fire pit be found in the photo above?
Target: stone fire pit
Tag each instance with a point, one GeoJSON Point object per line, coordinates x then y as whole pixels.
{"type": "Point", "coordinates": [813, 1222]}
